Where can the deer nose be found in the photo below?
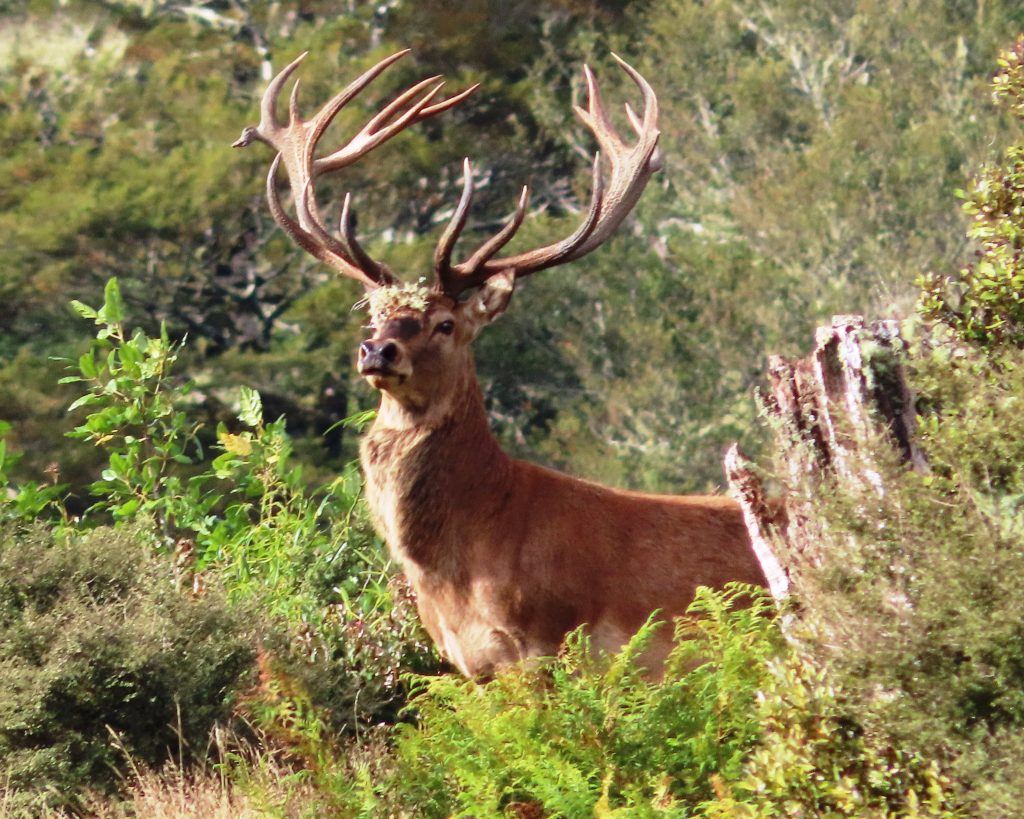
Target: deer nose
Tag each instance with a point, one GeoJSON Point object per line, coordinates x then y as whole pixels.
{"type": "Point", "coordinates": [375, 355]}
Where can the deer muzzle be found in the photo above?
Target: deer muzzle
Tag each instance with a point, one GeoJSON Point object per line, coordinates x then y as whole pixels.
{"type": "Point", "coordinates": [382, 357]}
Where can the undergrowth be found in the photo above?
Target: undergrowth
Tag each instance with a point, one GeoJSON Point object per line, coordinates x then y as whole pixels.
{"type": "Point", "coordinates": [738, 726]}
{"type": "Point", "coordinates": [578, 735]}
{"type": "Point", "coordinates": [180, 533]}
{"type": "Point", "coordinates": [97, 639]}
{"type": "Point", "coordinates": [916, 607]}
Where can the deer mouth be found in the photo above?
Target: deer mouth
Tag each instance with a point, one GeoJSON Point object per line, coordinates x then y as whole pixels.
{"type": "Point", "coordinates": [381, 377]}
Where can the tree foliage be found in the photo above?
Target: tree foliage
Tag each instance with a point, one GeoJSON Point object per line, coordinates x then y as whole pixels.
{"type": "Point", "coordinates": [984, 303]}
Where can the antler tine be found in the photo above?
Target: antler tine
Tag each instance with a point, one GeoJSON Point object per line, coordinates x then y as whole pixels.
{"type": "Point", "coordinates": [491, 247]}
{"type": "Point", "coordinates": [474, 271]}
{"type": "Point", "coordinates": [631, 166]}
{"type": "Point", "coordinates": [362, 258]}
{"type": "Point", "coordinates": [268, 103]}
{"type": "Point", "coordinates": [384, 116]}
{"type": "Point", "coordinates": [269, 130]}
{"type": "Point", "coordinates": [369, 138]}
{"type": "Point", "coordinates": [651, 109]}
{"type": "Point", "coordinates": [451, 102]}
{"type": "Point", "coordinates": [457, 278]}
{"type": "Point", "coordinates": [312, 244]}
{"type": "Point", "coordinates": [647, 129]}
{"type": "Point", "coordinates": [654, 162]}
{"type": "Point", "coordinates": [562, 251]}
{"type": "Point", "coordinates": [594, 115]}
{"type": "Point", "coordinates": [293, 102]}
{"type": "Point", "coordinates": [443, 252]}
{"type": "Point", "coordinates": [327, 113]}
{"type": "Point", "coordinates": [296, 141]}
{"type": "Point", "coordinates": [634, 120]}
{"type": "Point", "coordinates": [352, 256]}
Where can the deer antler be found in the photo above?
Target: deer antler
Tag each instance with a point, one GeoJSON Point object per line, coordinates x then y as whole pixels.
{"type": "Point", "coordinates": [631, 168]}
{"type": "Point", "coordinates": [296, 142]}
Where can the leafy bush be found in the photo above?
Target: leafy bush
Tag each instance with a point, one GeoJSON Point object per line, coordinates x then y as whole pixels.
{"type": "Point", "coordinates": [739, 726]}
{"type": "Point", "coordinates": [27, 500]}
{"type": "Point", "coordinates": [916, 608]}
{"type": "Point", "coordinates": [136, 416]}
{"type": "Point", "coordinates": [984, 304]}
{"type": "Point", "coordinates": [97, 636]}
{"type": "Point", "coordinates": [307, 555]}
{"type": "Point", "coordinates": [815, 757]}
{"type": "Point", "coordinates": [577, 736]}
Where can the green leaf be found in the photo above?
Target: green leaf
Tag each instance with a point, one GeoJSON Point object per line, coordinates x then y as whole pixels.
{"type": "Point", "coordinates": [113, 304]}
{"type": "Point", "coordinates": [84, 310]}
{"type": "Point", "coordinates": [126, 509]}
{"type": "Point", "coordinates": [251, 411]}
{"type": "Point", "coordinates": [356, 421]}
{"type": "Point", "coordinates": [85, 400]}
{"type": "Point", "coordinates": [87, 365]}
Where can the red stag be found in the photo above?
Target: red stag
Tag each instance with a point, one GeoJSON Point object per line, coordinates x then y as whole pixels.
{"type": "Point", "coordinates": [505, 557]}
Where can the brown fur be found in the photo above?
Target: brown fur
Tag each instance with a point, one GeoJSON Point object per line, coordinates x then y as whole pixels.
{"type": "Point", "coordinates": [505, 556]}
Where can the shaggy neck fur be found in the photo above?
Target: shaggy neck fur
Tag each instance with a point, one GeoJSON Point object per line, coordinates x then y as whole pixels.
{"type": "Point", "coordinates": [432, 473]}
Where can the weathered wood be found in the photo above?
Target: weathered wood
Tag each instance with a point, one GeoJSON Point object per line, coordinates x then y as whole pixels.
{"type": "Point", "coordinates": [748, 490]}
{"type": "Point", "coordinates": [824, 408]}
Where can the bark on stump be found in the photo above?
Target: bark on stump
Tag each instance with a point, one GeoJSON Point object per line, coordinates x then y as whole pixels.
{"type": "Point", "coordinates": [823, 407]}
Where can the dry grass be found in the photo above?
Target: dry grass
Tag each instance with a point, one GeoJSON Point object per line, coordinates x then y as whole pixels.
{"type": "Point", "coordinates": [175, 793]}
{"type": "Point", "coordinates": [237, 781]}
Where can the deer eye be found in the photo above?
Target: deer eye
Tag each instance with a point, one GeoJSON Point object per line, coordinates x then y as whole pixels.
{"type": "Point", "coordinates": [445, 327]}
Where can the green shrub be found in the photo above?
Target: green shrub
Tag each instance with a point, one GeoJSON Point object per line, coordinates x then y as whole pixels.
{"type": "Point", "coordinates": [740, 725]}
{"type": "Point", "coordinates": [984, 304]}
{"type": "Point", "coordinates": [137, 417]}
{"type": "Point", "coordinates": [97, 637]}
{"type": "Point", "coordinates": [916, 608]}
{"type": "Point", "coordinates": [25, 501]}
{"type": "Point", "coordinates": [579, 736]}
{"type": "Point", "coordinates": [305, 554]}
{"type": "Point", "coordinates": [815, 757]}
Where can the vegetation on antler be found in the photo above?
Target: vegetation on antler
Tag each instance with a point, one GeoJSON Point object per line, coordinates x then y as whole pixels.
{"type": "Point", "coordinates": [385, 300]}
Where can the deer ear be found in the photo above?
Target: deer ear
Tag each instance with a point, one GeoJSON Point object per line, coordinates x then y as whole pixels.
{"type": "Point", "coordinates": [491, 299]}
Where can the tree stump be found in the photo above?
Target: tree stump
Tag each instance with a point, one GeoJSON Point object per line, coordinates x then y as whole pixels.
{"type": "Point", "coordinates": [823, 408]}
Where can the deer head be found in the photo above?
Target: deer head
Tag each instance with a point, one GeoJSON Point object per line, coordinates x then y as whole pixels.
{"type": "Point", "coordinates": [419, 352]}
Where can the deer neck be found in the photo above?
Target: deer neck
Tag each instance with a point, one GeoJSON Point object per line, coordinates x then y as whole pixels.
{"type": "Point", "coordinates": [431, 474]}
